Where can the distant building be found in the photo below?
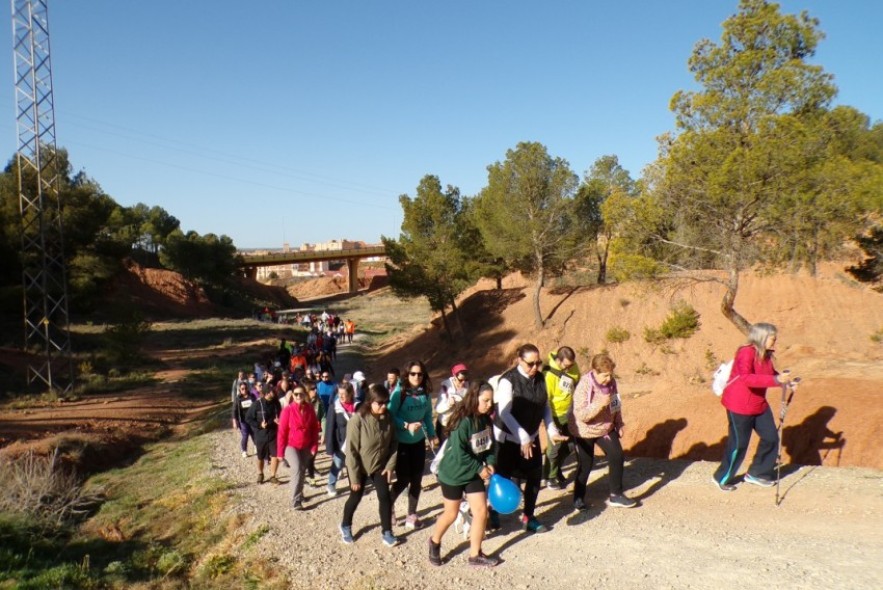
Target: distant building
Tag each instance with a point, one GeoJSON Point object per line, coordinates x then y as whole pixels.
{"type": "Point", "coordinates": [311, 269]}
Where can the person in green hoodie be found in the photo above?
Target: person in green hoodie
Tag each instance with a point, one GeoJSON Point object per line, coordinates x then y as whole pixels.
{"type": "Point", "coordinates": [467, 463]}
{"type": "Point", "coordinates": [410, 408]}
{"type": "Point", "coordinates": [562, 374]}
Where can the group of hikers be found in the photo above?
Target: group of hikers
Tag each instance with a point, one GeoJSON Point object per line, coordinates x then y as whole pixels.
{"type": "Point", "coordinates": [379, 433]}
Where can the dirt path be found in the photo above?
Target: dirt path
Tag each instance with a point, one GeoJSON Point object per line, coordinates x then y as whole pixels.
{"type": "Point", "coordinates": [827, 533]}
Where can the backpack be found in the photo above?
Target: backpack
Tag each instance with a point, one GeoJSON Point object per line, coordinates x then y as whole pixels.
{"type": "Point", "coordinates": [721, 378]}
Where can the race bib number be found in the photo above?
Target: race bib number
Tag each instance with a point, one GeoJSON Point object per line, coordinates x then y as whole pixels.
{"type": "Point", "coordinates": [565, 384]}
{"type": "Point", "coordinates": [481, 441]}
{"type": "Point", "coordinates": [245, 404]}
{"type": "Point", "coordinates": [615, 403]}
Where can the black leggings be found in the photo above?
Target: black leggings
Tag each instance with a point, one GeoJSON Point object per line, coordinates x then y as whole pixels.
{"type": "Point", "coordinates": [382, 487]}
{"type": "Point", "coordinates": [585, 455]}
{"type": "Point", "coordinates": [410, 462]}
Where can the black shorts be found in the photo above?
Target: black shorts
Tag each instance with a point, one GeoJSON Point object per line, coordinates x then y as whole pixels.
{"type": "Point", "coordinates": [511, 464]}
{"type": "Point", "coordinates": [476, 485]}
{"type": "Point", "coordinates": [266, 446]}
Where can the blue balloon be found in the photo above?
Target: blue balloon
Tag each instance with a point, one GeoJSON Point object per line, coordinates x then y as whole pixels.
{"type": "Point", "coordinates": [504, 495]}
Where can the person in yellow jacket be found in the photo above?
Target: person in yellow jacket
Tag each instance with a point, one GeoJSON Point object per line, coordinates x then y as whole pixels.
{"type": "Point", "coordinates": [562, 374]}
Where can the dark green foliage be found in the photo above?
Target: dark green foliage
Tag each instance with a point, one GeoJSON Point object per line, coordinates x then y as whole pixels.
{"type": "Point", "coordinates": [870, 270]}
{"type": "Point", "coordinates": [124, 339]}
{"type": "Point", "coordinates": [529, 216]}
{"type": "Point", "coordinates": [433, 257]}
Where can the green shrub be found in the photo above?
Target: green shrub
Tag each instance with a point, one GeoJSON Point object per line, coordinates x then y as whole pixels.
{"type": "Point", "coordinates": [616, 335]}
{"type": "Point", "coordinates": [877, 336]}
{"type": "Point", "coordinates": [682, 322]}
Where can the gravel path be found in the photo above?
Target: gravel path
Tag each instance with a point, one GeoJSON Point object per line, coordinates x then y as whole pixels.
{"type": "Point", "coordinates": [827, 532]}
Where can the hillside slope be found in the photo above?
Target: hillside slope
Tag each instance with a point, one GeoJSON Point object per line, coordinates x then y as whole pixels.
{"type": "Point", "coordinates": [825, 326]}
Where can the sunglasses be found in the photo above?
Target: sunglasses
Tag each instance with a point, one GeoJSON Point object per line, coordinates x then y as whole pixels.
{"type": "Point", "coordinates": [532, 364]}
{"type": "Point", "coordinates": [415, 374]}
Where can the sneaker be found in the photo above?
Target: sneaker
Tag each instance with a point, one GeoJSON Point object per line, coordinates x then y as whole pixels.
{"type": "Point", "coordinates": [389, 539]}
{"type": "Point", "coordinates": [482, 560]}
{"type": "Point", "coordinates": [758, 481]}
{"type": "Point", "coordinates": [332, 492]}
{"type": "Point", "coordinates": [493, 520]}
{"type": "Point", "coordinates": [531, 525]}
{"type": "Point", "coordinates": [554, 484]}
{"type": "Point", "coordinates": [434, 552]}
{"type": "Point", "coordinates": [620, 501]}
{"type": "Point", "coordinates": [346, 534]}
{"type": "Point", "coordinates": [244, 455]}
{"type": "Point", "coordinates": [724, 487]}
{"type": "Point", "coordinates": [412, 522]}
{"type": "Point", "coordinates": [260, 478]}
{"type": "Point", "coordinates": [580, 505]}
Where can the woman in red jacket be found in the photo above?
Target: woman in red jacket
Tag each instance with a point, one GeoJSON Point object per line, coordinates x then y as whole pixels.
{"type": "Point", "coordinates": [747, 410]}
{"type": "Point", "coordinates": [298, 440]}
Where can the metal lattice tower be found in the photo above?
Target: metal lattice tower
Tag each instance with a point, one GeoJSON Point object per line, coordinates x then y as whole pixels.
{"type": "Point", "coordinates": [44, 274]}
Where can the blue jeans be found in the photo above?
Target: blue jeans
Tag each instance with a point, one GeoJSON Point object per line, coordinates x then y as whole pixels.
{"type": "Point", "coordinates": [337, 461]}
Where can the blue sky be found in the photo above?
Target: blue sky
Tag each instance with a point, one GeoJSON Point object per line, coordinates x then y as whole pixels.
{"type": "Point", "coordinates": [304, 121]}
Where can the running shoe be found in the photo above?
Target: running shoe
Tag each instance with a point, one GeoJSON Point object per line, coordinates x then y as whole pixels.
{"type": "Point", "coordinates": [758, 481]}
{"type": "Point", "coordinates": [620, 501]}
{"type": "Point", "coordinates": [434, 552]}
{"type": "Point", "coordinates": [482, 560]}
{"type": "Point", "coordinates": [244, 455]}
{"type": "Point", "coordinates": [389, 539]}
{"type": "Point", "coordinates": [412, 522]}
{"type": "Point", "coordinates": [532, 525]}
{"type": "Point", "coordinates": [724, 487]}
{"type": "Point", "coordinates": [332, 492]}
{"type": "Point", "coordinates": [580, 505]}
{"type": "Point", "coordinates": [346, 534]}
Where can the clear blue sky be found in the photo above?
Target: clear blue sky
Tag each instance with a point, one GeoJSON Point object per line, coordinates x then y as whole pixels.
{"type": "Point", "coordinates": [306, 120]}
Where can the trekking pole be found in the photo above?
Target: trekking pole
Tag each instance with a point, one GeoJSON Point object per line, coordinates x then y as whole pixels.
{"type": "Point", "coordinates": [787, 396]}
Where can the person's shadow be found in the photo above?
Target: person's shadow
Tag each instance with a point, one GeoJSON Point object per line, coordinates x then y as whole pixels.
{"type": "Point", "coordinates": [657, 443]}
{"type": "Point", "coordinates": [805, 442]}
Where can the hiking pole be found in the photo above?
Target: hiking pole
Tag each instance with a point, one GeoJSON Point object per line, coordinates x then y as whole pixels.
{"type": "Point", "coordinates": [783, 410]}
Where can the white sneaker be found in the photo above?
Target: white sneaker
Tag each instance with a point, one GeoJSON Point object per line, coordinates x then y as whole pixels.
{"type": "Point", "coordinates": [244, 455]}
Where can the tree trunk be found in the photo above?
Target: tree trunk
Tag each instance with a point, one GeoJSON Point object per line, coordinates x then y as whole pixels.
{"type": "Point", "coordinates": [500, 282]}
{"type": "Point", "coordinates": [456, 312]}
{"type": "Point", "coordinates": [538, 315]}
{"type": "Point", "coordinates": [445, 324]}
{"type": "Point", "coordinates": [602, 262]}
{"type": "Point", "coordinates": [729, 299]}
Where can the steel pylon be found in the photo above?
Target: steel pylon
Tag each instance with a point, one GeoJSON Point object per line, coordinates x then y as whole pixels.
{"type": "Point", "coordinates": [44, 276]}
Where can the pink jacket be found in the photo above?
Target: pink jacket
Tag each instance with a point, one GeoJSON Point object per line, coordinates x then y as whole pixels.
{"type": "Point", "coordinates": [298, 428]}
{"type": "Point", "coordinates": [596, 408]}
{"type": "Point", "coordinates": [749, 379]}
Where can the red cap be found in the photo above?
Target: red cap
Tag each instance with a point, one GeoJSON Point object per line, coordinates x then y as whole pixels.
{"type": "Point", "coordinates": [458, 368]}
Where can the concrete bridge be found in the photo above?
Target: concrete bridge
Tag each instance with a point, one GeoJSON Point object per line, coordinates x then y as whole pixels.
{"type": "Point", "coordinates": [250, 262]}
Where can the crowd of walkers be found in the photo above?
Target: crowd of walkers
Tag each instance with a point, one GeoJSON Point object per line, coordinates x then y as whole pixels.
{"type": "Point", "coordinates": [378, 435]}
